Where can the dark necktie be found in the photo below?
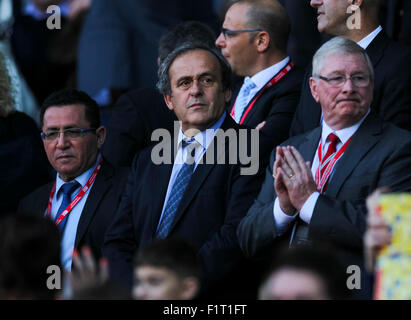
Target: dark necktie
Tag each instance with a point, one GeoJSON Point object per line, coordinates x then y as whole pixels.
{"type": "Point", "coordinates": [67, 190]}
{"type": "Point", "coordinates": [177, 192]}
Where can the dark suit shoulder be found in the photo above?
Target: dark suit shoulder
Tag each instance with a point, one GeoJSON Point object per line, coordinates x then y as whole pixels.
{"type": "Point", "coordinates": [36, 201]}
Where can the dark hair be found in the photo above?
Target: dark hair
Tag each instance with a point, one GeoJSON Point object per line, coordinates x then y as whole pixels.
{"type": "Point", "coordinates": [319, 259]}
{"type": "Point", "coordinates": [163, 83]}
{"type": "Point", "coordinates": [188, 31]}
{"type": "Point", "coordinates": [174, 254]}
{"type": "Point", "coordinates": [270, 16]}
{"type": "Point", "coordinates": [69, 97]}
{"type": "Point", "coordinates": [28, 246]}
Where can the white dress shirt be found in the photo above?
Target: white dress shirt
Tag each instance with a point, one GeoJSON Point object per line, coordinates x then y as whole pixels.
{"type": "Point", "coordinates": [283, 220]}
{"type": "Point", "coordinates": [365, 42]}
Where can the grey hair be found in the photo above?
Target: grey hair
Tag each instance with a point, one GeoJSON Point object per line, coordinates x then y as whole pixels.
{"type": "Point", "coordinates": [339, 46]}
{"type": "Point", "coordinates": [6, 90]}
{"type": "Point", "coordinates": [164, 85]}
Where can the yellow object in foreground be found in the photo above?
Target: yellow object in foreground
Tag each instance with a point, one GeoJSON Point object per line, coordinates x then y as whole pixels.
{"type": "Point", "coordinates": [393, 278]}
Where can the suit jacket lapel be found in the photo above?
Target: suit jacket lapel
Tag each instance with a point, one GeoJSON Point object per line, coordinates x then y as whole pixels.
{"type": "Point", "coordinates": [100, 186]}
{"type": "Point", "coordinates": [363, 140]}
{"type": "Point", "coordinates": [308, 148]}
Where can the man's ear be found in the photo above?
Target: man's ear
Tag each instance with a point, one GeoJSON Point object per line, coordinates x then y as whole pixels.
{"type": "Point", "coordinates": [262, 41]}
{"type": "Point", "coordinates": [169, 103]}
{"type": "Point", "coordinates": [355, 2]}
{"type": "Point", "coordinates": [227, 95]}
{"type": "Point", "coordinates": [101, 136]}
{"type": "Point", "coordinates": [314, 89]}
{"type": "Point", "coordinates": [190, 286]}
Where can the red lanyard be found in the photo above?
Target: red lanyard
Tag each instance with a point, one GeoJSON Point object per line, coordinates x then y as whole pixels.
{"type": "Point", "coordinates": [321, 181]}
{"type": "Point", "coordinates": [76, 199]}
{"type": "Point", "coordinates": [272, 82]}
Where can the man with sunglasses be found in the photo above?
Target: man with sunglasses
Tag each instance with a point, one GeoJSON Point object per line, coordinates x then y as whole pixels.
{"type": "Point", "coordinates": [254, 41]}
{"type": "Point", "coordinates": [84, 197]}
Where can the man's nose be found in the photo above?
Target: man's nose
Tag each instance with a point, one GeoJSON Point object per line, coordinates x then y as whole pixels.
{"type": "Point", "coordinates": [315, 3]}
{"type": "Point", "coordinates": [62, 141]}
{"type": "Point", "coordinates": [348, 85]}
{"type": "Point", "coordinates": [220, 42]}
{"type": "Point", "coordinates": [196, 88]}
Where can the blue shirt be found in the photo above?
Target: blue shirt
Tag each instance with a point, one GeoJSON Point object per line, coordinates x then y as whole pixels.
{"type": "Point", "coordinates": [70, 231]}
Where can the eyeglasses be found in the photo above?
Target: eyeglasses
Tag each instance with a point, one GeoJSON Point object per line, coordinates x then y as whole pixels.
{"type": "Point", "coordinates": [228, 32]}
{"type": "Point", "coordinates": [338, 81]}
{"type": "Point", "coordinates": [71, 133]}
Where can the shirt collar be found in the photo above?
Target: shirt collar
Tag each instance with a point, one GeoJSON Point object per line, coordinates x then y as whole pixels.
{"type": "Point", "coordinates": [82, 179]}
{"type": "Point", "coordinates": [205, 137]}
{"type": "Point", "coordinates": [343, 134]}
{"type": "Point", "coordinates": [261, 78]}
{"type": "Point", "coordinates": [365, 42]}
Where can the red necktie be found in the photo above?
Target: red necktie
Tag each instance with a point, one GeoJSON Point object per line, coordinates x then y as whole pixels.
{"type": "Point", "coordinates": [331, 151]}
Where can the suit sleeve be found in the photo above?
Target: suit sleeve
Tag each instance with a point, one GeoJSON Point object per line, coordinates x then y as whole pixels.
{"type": "Point", "coordinates": [257, 228]}
{"type": "Point", "coordinates": [344, 222]}
{"type": "Point", "coordinates": [222, 252]}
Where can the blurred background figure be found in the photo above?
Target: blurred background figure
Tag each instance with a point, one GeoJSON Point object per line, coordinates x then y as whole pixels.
{"type": "Point", "coordinates": [47, 58]}
{"type": "Point", "coordinates": [166, 270]}
{"type": "Point", "coordinates": [28, 246]}
{"type": "Point", "coordinates": [23, 162]}
{"type": "Point", "coordinates": [305, 273]}
{"type": "Point", "coordinates": [24, 99]}
{"type": "Point", "coordinates": [118, 45]}
{"type": "Point", "coordinates": [89, 279]}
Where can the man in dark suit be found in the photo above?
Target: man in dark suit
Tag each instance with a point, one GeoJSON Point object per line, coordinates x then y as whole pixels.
{"type": "Point", "coordinates": [319, 188]}
{"type": "Point", "coordinates": [87, 190]}
{"type": "Point", "coordinates": [138, 113]}
{"type": "Point", "coordinates": [391, 62]}
{"type": "Point", "coordinates": [254, 41]}
{"type": "Point", "coordinates": [189, 195]}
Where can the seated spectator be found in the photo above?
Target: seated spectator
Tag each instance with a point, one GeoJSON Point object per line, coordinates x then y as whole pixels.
{"type": "Point", "coordinates": [305, 273]}
{"type": "Point", "coordinates": [87, 189]}
{"type": "Point", "coordinates": [139, 112]}
{"type": "Point", "coordinates": [391, 62]}
{"type": "Point", "coordinates": [166, 269]}
{"type": "Point", "coordinates": [28, 246]}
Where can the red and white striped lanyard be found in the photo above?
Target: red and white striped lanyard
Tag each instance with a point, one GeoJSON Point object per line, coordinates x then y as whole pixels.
{"type": "Point", "coordinates": [76, 199]}
{"type": "Point", "coordinates": [272, 82]}
{"type": "Point", "coordinates": [321, 181]}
